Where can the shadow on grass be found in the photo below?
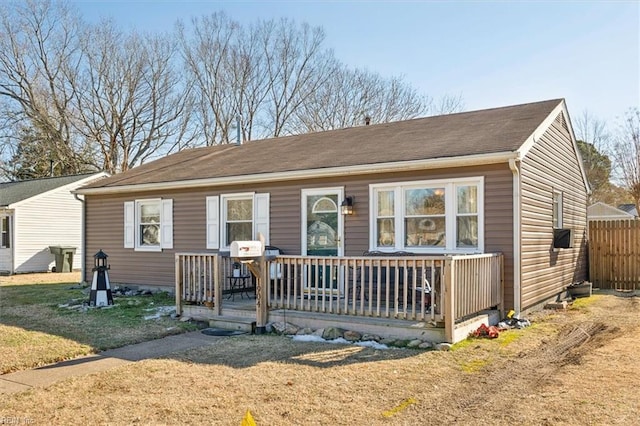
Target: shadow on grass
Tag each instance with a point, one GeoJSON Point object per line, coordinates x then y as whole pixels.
{"type": "Point", "coordinates": [37, 314]}
{"type": "Point", "coordinates": [250, 350]}
{"type": "Point", "coordinates": [123, 333]}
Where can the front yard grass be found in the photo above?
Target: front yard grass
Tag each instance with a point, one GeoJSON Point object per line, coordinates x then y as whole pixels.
{"type": "Point", "coordinates": [45, 323]}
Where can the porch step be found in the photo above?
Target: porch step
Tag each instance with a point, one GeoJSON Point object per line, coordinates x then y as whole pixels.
{"type": "Point", "coordinates": [233, 323]}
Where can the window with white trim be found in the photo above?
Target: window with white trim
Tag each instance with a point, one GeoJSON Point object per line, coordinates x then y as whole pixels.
{"type": "Point", "coordinates": [148, 224]}
{"type": "Point", "coordinates": [557, 210]}
{"type": "Point", "coordinates": [428, 216]}
{"type": "Point", "coordinates": [236, 217]}
{"type": "Point", "coordinates": [5, 235]}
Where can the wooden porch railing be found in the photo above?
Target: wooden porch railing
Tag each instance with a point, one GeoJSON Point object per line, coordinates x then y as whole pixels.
{"type": "Point", "coordinates": [391, 287]}
{"type": "Point", "coordinates": [201, 277]}
{"type": "Point", "coordinates": [407, 287]}
{"type": "Point", "coordinates": [425, 288]}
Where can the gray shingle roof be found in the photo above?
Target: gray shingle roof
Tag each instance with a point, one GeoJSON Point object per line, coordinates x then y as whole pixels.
{"type": "Point", "coordinates": [629, 208]}
{"type": "Point", "coordinates": [487, 131]}
{"type": "Point", "coordinates": [13, 192]}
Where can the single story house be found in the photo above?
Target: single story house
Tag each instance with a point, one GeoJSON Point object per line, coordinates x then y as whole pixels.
{"type": "Point", "coordinates": [36, 214]}
{"type": "Point", "coordinates": [603, 211]}
{"type": "Point", "coordinates": [504, 186]}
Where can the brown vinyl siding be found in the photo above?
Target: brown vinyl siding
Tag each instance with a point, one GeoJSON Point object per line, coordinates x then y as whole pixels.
{"type": "Point", "coordinates": [550, 165]}
{"type": "Point", "coordinates": [105, 220]}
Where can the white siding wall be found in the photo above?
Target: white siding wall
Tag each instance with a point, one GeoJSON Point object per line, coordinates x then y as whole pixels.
{"type": "Point", "coordinates": [552, 165]}
{"type": "Point", "coordinates": [53, 218]}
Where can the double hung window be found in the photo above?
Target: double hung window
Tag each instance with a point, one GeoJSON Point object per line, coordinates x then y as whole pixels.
{"type": "Point", "coordinates": [428, 216]}
{"type": "Point", "coordinates": [236, 217]}
{"type": "Point", "coordinates": [148, 224]}
{"type": "Point", "coordinates": [5, 236]}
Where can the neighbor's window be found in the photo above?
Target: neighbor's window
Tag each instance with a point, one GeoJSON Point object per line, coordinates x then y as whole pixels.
{"type": "Point", "coordinates": [5, 236]}
{"type": "Point", "coordinates": [430, 216]}
{"type": "Point", "coordinates": [238, 218]}
{"type": "Point", "coordinates": [148, 227]}
{"type": "Point", "coordinates": [557, 209]}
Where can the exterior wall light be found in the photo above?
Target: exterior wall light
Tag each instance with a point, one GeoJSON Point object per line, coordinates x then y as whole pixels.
{"type": "Point", "coordinates": [347, 205]}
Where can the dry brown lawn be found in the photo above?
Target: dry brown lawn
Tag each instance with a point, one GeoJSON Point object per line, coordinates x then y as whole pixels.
{"type": "Point", "coordinates": [42, 278]}
{"type": "Point", "coordinates": [573, 367]}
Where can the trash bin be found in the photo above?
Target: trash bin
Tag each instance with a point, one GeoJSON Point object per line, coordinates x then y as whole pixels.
{"type": "Point", "coordinates": [64, 257]}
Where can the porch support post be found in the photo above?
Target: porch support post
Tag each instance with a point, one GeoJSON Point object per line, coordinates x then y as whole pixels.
{"type": "Point", "coordinates": [178, 286]}
{"type": "Point", "coordinates": [261, 297]}
{"type": "Point", "coordinates": [449, 300]}
{"type": "Point", "coordinates": [217, 284]}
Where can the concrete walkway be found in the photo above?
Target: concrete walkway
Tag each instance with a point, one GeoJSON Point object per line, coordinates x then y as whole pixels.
{"type": "Point", "coordinates": [49, 374]}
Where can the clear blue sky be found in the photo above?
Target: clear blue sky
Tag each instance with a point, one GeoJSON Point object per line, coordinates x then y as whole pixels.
{"type": "Point", "coordinates": [492, 53]}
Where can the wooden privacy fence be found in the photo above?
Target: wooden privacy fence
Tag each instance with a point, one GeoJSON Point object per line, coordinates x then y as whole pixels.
{"type": "Point", "coordinates": [614, 254]}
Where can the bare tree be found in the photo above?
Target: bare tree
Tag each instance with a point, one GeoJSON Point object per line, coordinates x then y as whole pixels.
{"type": "Point", "coordinates": [95, 97]}
{"type": "Point", "coordinates": [39, 52]}
{"type": "Point", "coordinates": [131, 103]}
{"type": "Point", "coordinates": [447, 104]}
{"type": "Point", "coordinates": [593, 143]}
{"type": "Point", "coordinates": [297, 65]}
{"type": "Point", "coordinates": [207, 60]}
{"type": "Point", "coordinates": [350, 97]}
{"type": "Point", "coordinates": [627, 154]}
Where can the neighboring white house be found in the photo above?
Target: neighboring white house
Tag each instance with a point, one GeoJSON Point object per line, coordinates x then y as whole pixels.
{"type": "Point", "coordinates": [39, 213]}
{"type": "Point", "coordinates": [602, 211]}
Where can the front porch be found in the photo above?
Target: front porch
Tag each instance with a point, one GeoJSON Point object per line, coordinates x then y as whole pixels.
{"type": "Point", "coordinates": [433, 298]}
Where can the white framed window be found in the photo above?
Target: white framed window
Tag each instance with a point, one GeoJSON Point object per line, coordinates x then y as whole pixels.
{"type": "Point", "coordinates": [557, 210]}
{"type": "Point", "coordinates": [148, 224]}
{"type": "Point", "coordinates": [428, 216]}
{"type": "Point", "coordinates": [5, 234]}
{"type": "Point", "coordinates": [236, 217]}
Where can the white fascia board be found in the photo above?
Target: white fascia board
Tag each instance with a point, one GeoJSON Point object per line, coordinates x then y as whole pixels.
{"type": "Point", "coordinates": [70, 186]}
{"type": "Point", "coordinates": [537, 134]}
{"type": "Point", "coordinates": [438, 163]}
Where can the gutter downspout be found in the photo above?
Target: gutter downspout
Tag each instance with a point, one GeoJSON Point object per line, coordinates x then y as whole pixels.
{"type": "Point", "coordinates": [517, 237]}
{"type": "Point", "coordinates": [83, 242]}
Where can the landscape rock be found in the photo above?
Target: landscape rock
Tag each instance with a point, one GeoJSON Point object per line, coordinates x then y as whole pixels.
{"type": "Point", "coordinates": [284, 328]}
{"type": "Point", "coordinates": [414, 343]}
{"type": "Point", "coordinates": [371, 337]}
{"type": "Point", "coordinates": [425, 345]}
{"type": "Point", "coordinates": [352, 336]}
{"type": "Point", "coordinates": [331, 333]}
